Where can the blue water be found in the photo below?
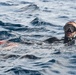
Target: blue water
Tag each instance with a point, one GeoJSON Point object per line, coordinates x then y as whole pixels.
{"type": "Point", "coordinates": [29, 23]}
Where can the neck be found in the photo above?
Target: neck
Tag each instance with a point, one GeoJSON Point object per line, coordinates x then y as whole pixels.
{"type": "Point", "coordinates": [69, 41]}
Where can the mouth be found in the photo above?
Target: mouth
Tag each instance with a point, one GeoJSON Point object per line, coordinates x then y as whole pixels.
{"type": "Point", "coordinates": [68, 39]}
{"type": "Point", "coordinates": [68, 34]}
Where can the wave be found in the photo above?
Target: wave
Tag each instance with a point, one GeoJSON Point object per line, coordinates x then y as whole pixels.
{"type": "Point", "coordinates": [19, 27]}
{"type": "Point", "coordinates": [14, 27]}
{"type": "Point", "coordinates": [30, 57]}
{"type": "Point", "coordinates": [25, 2]}
{"type": "Point", "coordinates": [29, 8]}
{"type": "Point", "coordinates": [11, 56]}
{"type": "Point", "coordinates": [45, 0]}
{"type": "Point", "coordinates": [22, 71]}
{"type": "Point", "coordinates": [7, 4]}
{"type": "Point", "coordinates": [5, 35]}
{"type": "Point", "coordinates": [39, 22]}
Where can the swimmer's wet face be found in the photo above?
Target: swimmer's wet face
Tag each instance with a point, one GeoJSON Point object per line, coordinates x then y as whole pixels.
{"type": "Point", "coordinates": [70, 30]}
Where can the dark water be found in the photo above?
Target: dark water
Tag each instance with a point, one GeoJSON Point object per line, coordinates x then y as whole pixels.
{"type": "Point", "coordinates": [29, 23]}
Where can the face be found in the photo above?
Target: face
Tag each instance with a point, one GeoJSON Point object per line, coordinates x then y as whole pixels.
{"type": "Point", "coordinates": [69, 30]}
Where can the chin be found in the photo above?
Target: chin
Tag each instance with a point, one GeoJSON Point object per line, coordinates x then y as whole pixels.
{"type": "Point", "coordinates": [69, 35]}
{"type": "Point", "coordinates": [68, 40]}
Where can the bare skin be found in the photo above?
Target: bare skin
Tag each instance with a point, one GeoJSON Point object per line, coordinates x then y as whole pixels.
{"type": "Point", "coordinates": [9, 46]}
{"type": "Point", "coordinates": [2, 42]}
{"type": "Point", "coordinates": [70, 35]}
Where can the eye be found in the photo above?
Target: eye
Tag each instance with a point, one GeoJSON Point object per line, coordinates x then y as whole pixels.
{"type": "Point", "coordinates": [69, 28]}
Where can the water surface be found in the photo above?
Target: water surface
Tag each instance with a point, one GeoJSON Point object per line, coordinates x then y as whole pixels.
{"type": "Point", "coordinates": [29, 23]}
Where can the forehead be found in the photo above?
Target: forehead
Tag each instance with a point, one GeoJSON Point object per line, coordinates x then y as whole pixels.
{"type": "Point", "coordinates": [68, 26]}
{"type": "Point", "coordinates": [71, 23]}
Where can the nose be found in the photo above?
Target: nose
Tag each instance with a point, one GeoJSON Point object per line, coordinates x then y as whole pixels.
{"type": "Point", "coordinates": [69, 30]}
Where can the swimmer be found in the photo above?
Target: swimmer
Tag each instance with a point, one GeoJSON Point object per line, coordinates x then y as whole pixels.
{"type": "Point", "coordinates": [70, 34]}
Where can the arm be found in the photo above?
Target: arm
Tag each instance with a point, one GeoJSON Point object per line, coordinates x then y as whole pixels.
{"type": "Point", "coordinates": [9, 45]}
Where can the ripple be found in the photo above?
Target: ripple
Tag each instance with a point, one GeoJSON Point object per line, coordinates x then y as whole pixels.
{"type": "Point", "coordinates": [57, 52]}
{"type": "Point", "coordinates": [24, 2]}
{"type": "Point", "coordinates": [45, 0]}
{"type": "Point", "coordinates": [14, 27]}
{"type": "Point", "coordinates": [53, 61]}
{"type": "Point", "coordinates": [5, 35]}
{"type": "Point", "coordinates": [30, 57]}
{"type": "Point", "coordinates": [55, 71]}
{"type": "Point", "coordinates": [7, 4]}
{"type": "Point", "coordinates": [47, 64]}
{"type": "Point", "coordinates": [21, 40]}
{"type": "Point", "coordinates": [74, 56]}
{"type": "Point", "coordinates": [21, 71]}
{"type": "Point", "coordinates": [15, 40]}
{"type": "Point", "coordinates": [73, 67]}
{"type": "Point", "coordinates": [9, 24]}
{"type": "Point", "coordinates": [42, 65]}
{"type": "Point", "coordinates": [2, 55]}
{"type": "Point", "coordinates": [19, 27]}
{"type": "Point", "coordinates": [11, 56]}
{"type": "Point", "coordinates": [73, 61]}
{"type": "Point", "coordinates": [38, 22]}
{"type": "Point", "coordinates": [72, 72]}
{"type": "Point", "coordinates": [29, 8]}
{"type": "Point", "coordinates": [47, 10]}
{"type": "Point", "coordinates": [1, 23]}
{"type": "Point", "coordinates": [66, 17]}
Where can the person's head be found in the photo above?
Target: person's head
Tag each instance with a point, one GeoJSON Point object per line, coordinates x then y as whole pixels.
{"type": "Point", "coordinates": [70, 30]}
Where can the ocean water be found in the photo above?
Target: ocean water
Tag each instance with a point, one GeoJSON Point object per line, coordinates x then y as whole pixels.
{"type": "Point", "coordinates": [29, 23]}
